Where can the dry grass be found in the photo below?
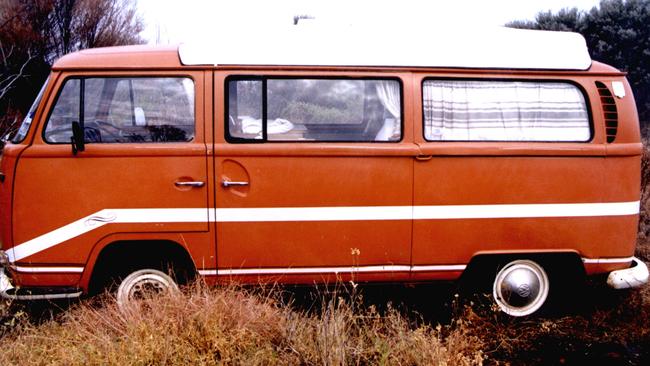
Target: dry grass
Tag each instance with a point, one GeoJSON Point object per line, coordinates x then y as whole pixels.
{"type": "Point", "coordinates": [237, 326]}
{"type": "Point", "coordinates": [231, 325]}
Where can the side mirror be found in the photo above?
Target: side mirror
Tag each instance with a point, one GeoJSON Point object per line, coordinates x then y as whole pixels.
{"type": "Point", "coordinates": [77, 139]}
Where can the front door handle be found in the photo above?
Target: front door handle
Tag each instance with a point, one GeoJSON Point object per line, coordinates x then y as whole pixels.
{"type": "Point", "coordinates": [189, 184]}
{"type": "Point", "coordinates": [228, 183]}
{"type": "Point", "coordinates": [2, 177]}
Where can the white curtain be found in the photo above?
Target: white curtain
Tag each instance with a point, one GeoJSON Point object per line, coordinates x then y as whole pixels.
{"type": "Point", "coordinates": [470, 110]}
{"type": "Point", "coordinates": [388, 93]}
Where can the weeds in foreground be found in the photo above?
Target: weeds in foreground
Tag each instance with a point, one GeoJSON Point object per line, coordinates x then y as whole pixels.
{"type": "Point", "coordinates": [12, 317]}
{"type": "Point", "coordinates": [232, 325]}
{"type": "Point", "coordinates": [236, 326]}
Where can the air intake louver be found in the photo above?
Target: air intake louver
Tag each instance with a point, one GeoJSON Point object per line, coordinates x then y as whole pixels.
{"type": "Point", "coordinates": [609, 111]}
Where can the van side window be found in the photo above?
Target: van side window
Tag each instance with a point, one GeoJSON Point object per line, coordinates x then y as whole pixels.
{"type": "Point", "coordinates": [122, 110]}
{"type": "Point", "coordinates": [473, 110]}
{"type": "Point", "coordinates": [289, 109]}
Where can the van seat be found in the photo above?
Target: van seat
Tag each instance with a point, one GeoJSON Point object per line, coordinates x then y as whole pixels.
{"type": "Point", "coordinates": [276, 126]}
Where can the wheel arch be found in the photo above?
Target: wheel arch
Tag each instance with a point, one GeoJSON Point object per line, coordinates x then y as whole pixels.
{"type": "Point", "coordinates": [485, 265]}
{"type": "Point", "coordinates": [117, 258]}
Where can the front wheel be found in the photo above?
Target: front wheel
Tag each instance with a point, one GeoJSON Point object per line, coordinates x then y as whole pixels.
{"type": "Point", "coordinates": [143, 284]}
{"type": "Point", "coordinates": [520, 288]}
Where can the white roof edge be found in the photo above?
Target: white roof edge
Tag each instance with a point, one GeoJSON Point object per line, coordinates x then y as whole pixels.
{"type": "Point", "coordinates": [503, 48]}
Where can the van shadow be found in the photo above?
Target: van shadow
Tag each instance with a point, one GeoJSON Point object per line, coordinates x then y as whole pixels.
{"type": "Point", "coordinates": [435, 303]}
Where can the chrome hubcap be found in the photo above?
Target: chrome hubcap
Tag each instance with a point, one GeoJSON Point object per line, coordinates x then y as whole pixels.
{"type": "Point", "coordinates": [521, 288]}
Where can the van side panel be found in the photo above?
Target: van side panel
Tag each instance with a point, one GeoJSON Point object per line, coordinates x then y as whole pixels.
{"type": "Point", "coordinates": [493, 181]}
{"type": "Point", "coordinates": [486, 175]}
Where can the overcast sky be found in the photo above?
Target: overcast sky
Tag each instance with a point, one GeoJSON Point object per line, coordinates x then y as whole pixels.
{"type": "Point", "coordinates": [170, 21]}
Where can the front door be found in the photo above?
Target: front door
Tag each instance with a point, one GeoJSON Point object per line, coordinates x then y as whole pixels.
{"type": "Point", "coordinates": [144, 142]}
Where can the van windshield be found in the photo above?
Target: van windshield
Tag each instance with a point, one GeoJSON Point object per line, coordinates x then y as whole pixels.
{"type": "Point", "coordinates": [21, 133]}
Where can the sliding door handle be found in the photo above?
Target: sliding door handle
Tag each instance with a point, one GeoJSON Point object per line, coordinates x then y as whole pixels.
{"type": "Point", "coordinates": [227, 183]}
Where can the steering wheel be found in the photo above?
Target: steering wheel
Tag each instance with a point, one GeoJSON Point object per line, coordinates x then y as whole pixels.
{"type": "Point", "coordinates": [103, 130]}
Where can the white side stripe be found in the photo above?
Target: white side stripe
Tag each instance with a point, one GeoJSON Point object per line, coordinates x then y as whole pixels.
{"type": "Point", "coordinates": [442, 212]}
{"type": "Point", "coordinates": [354, 213]}
{"type": "Point", "coordinates": [161, 215]}
{"type": "Point", "coordinates": [48, 240]}
{"type": "Point", "coordinates": [277, 214]}
{"type": "Point", "coordinates": [528, 210]}
{"type": "Point", "coordinates": [104, 217]}
{"type": "Point", "coordinates": [333, 270]}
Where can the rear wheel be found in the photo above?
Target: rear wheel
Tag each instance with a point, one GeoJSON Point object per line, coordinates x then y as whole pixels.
{"type": "Point", "coordinates": [143, 284]}
{"type": "Point", "coordinates": [521, 288]}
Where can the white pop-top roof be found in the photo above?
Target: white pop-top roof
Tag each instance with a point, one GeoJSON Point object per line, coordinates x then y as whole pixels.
{"type": "Point", "coordinates": [500, 47]}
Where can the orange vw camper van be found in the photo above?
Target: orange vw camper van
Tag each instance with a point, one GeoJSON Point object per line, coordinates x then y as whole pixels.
{"type": "Point", "coordinates": [511, 154]}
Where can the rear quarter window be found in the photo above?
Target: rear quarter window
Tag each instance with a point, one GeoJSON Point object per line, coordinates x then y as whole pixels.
{"type": "Point", "coordinates": [486, 110]}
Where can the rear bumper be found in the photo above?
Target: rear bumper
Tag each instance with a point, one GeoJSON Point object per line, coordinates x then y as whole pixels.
{"type": "Point", "coordinates": [635, 276]}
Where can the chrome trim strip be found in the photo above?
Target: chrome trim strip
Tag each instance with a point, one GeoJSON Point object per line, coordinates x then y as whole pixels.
{"type": "Point", "coordinates": [48, 269]}
{"type": "Point", "coordinates": [334, 270]}
{"type": "Point", "coordinates": [607, 260]}
{"type": "Point", "coordinates": [450, 267]}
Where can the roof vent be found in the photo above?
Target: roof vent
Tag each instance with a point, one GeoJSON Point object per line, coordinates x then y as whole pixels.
{"type": "Point", "coordinates": [610, 114]}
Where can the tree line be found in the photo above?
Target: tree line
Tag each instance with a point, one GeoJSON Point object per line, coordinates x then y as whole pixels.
{"type": "Point", "coordinates": [617, 33]}
{"type": "Point", "coordinates": [34, 33]}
